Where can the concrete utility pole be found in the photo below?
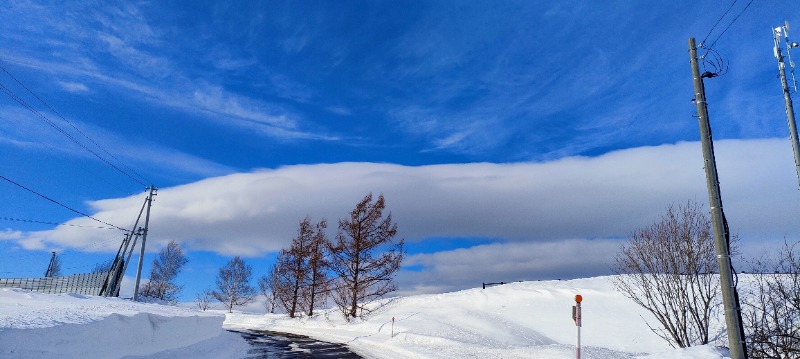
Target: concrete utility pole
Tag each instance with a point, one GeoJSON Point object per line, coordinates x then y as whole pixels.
{"type": "Point", "coordinates": [730, 299]}
{"type": "Point", "coordinates": [143, 231]}
{"type": "Point", "coordinates": [787, 96]}
{"type": "Point", "coordinates": [51, 268]}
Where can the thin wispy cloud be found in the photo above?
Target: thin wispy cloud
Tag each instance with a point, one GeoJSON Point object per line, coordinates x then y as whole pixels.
{"type": "Point", "coordinates": [25, 130]}
{"type": "Point", "coordinates": [132, 43]}
{"type": "Point", "coordinates": [73, 87]}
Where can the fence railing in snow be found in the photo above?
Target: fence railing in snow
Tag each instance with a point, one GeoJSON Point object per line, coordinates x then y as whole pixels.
{"type": "Point", "coordinates": [87, 283]}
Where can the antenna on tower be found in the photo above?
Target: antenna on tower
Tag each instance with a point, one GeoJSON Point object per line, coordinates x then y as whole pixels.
{"type": "Point", "coordinates": [789, 47]}
{"type": "Point", "coordinates": [777, 33]}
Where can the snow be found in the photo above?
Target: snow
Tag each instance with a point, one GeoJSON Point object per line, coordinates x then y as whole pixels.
{"type": "Point", "coordinates": [34, 325]}
{"type": "Point", "coordinates": [516, 320]}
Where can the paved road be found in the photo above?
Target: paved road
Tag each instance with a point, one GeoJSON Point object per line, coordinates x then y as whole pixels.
{"type": "Point", "coordinates": [269, 345]}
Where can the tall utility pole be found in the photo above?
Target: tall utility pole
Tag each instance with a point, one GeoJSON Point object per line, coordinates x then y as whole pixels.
{"type": "Point", "coordinates": [730, 298]}
{"type": "Point", "coordinates": [143, 232]}
{"type": "Point", "coordinates": [787, 96]}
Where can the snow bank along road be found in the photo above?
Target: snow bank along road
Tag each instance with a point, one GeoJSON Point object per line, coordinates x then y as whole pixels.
{"type": "Point", "coordinates": [34, 325]}
{"type": "Point", "coordinates": [517, 320]}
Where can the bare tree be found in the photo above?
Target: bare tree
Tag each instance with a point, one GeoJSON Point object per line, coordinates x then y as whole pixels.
{"type": "Point", "coordinates": [667, 269]}
{"type": "Point", "coordinates": [291, 270]}
{"type": "Point", "coordinates": [166, 267]}
{"type": "Point", "coordinates": [299, 274]}
{"type": "Point", "coordinates": [103, 267]}
{"type": "Point", "coordinates": [772, 308]}
{"type": "Point", "coordinates": [364, 257]}
{"type": "Point", "coordinates": [317, 287]}
{"type": "Point", "coordinates": [267, 285]}
{"type": "Point", "coordinates": [233, 283]}
{"type": "Point", "coordinates": [203, 299]}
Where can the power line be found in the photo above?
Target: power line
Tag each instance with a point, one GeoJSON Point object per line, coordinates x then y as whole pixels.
{"type": "Point", "coordinates": [22, 102]}
{"type": "Point", "coordinates": [726, 28]}
{"type": "Point", "coordinates": [54, 223]}
{"type": "Point", "coordinates": [92, 245]}
{"type": "Point", "coordinates": [64, 252]}
{"type": "Point", "coordinates": [718, 21]}
{"type": "Point", "coordinates": [716, 62]}
{"type": "Point", "coordinates": [72, 125]}
{"type": "Point", "coordinates": [60, 204]}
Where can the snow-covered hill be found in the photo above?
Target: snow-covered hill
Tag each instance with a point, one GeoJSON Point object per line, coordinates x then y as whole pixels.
{"type": "Point", "coordinates": [517, 320]}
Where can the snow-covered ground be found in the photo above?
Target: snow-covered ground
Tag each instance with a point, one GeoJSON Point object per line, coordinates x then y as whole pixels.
{"type": "Point", "coordinates": [517, 320]}
{"type": "Point", "coordinates": [34, 325]}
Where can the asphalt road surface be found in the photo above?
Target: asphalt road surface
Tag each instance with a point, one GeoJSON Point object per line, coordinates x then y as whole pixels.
{"type": "Point", "coordinates": [269, 345]}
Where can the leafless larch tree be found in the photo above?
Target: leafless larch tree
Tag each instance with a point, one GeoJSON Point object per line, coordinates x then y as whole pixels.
{"type": "Point", "coordinates": [317, 283]}
{"type": "Point", "coordinates": [364, 257]}
{"type": "Point", "coordinates": [299, 274]}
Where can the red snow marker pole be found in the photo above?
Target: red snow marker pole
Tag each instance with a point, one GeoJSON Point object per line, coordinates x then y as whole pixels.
{"type": "Point", "coordinates": [576, 316]}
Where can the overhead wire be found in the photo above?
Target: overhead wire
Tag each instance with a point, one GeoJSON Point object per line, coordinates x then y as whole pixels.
{"type": "Point", "coordinates": [60, 204]}
{"type": "Point", "coordinates": [54, 223]}
{"type": "Point", "coordinates": [716, 62]}
{"type": "Point", "coordinates": [712, 59]}
{"type": "Point", "coordinates": [62, 255]}
{"type": "Point", "coordinates": [79, 131]}
{"type": "Point", "coordinates": [141, 180]}
{"type": "Point", "coordinates": [726, 28]}
{"type": "Point", "coordinates": [717, 23]}
{"type": "Point", "coordinates": [22, 102]}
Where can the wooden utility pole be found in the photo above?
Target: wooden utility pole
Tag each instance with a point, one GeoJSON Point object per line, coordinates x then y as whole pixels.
{"type": "Point", "coordinates": [787, 95]}
{"type": "Point", "coordinates": [730, 298]}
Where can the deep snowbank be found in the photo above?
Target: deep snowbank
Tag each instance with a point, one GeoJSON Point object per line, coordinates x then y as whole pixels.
{"type": "Point", "coordinates": [34, 325]}
{"type": "Point", "coordinates": [517, 320]}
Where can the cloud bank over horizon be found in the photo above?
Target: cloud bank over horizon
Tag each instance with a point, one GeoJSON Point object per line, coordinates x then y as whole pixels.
{"type": "Point", "coordinates": [562, 218]}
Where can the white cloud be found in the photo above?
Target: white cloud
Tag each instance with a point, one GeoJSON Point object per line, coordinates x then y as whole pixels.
{"type": "Point", "coordinates": [74, 87]}
{"type": "Point", "coordinates": [572, 198]}
{"type": "Point", "coordinates": [8, 234]}
{"type": "Point", "coordinates": [506, 262]}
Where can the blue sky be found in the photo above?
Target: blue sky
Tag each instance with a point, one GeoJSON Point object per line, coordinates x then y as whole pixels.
{"type": "Point", "coordinates": [495, 129]}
